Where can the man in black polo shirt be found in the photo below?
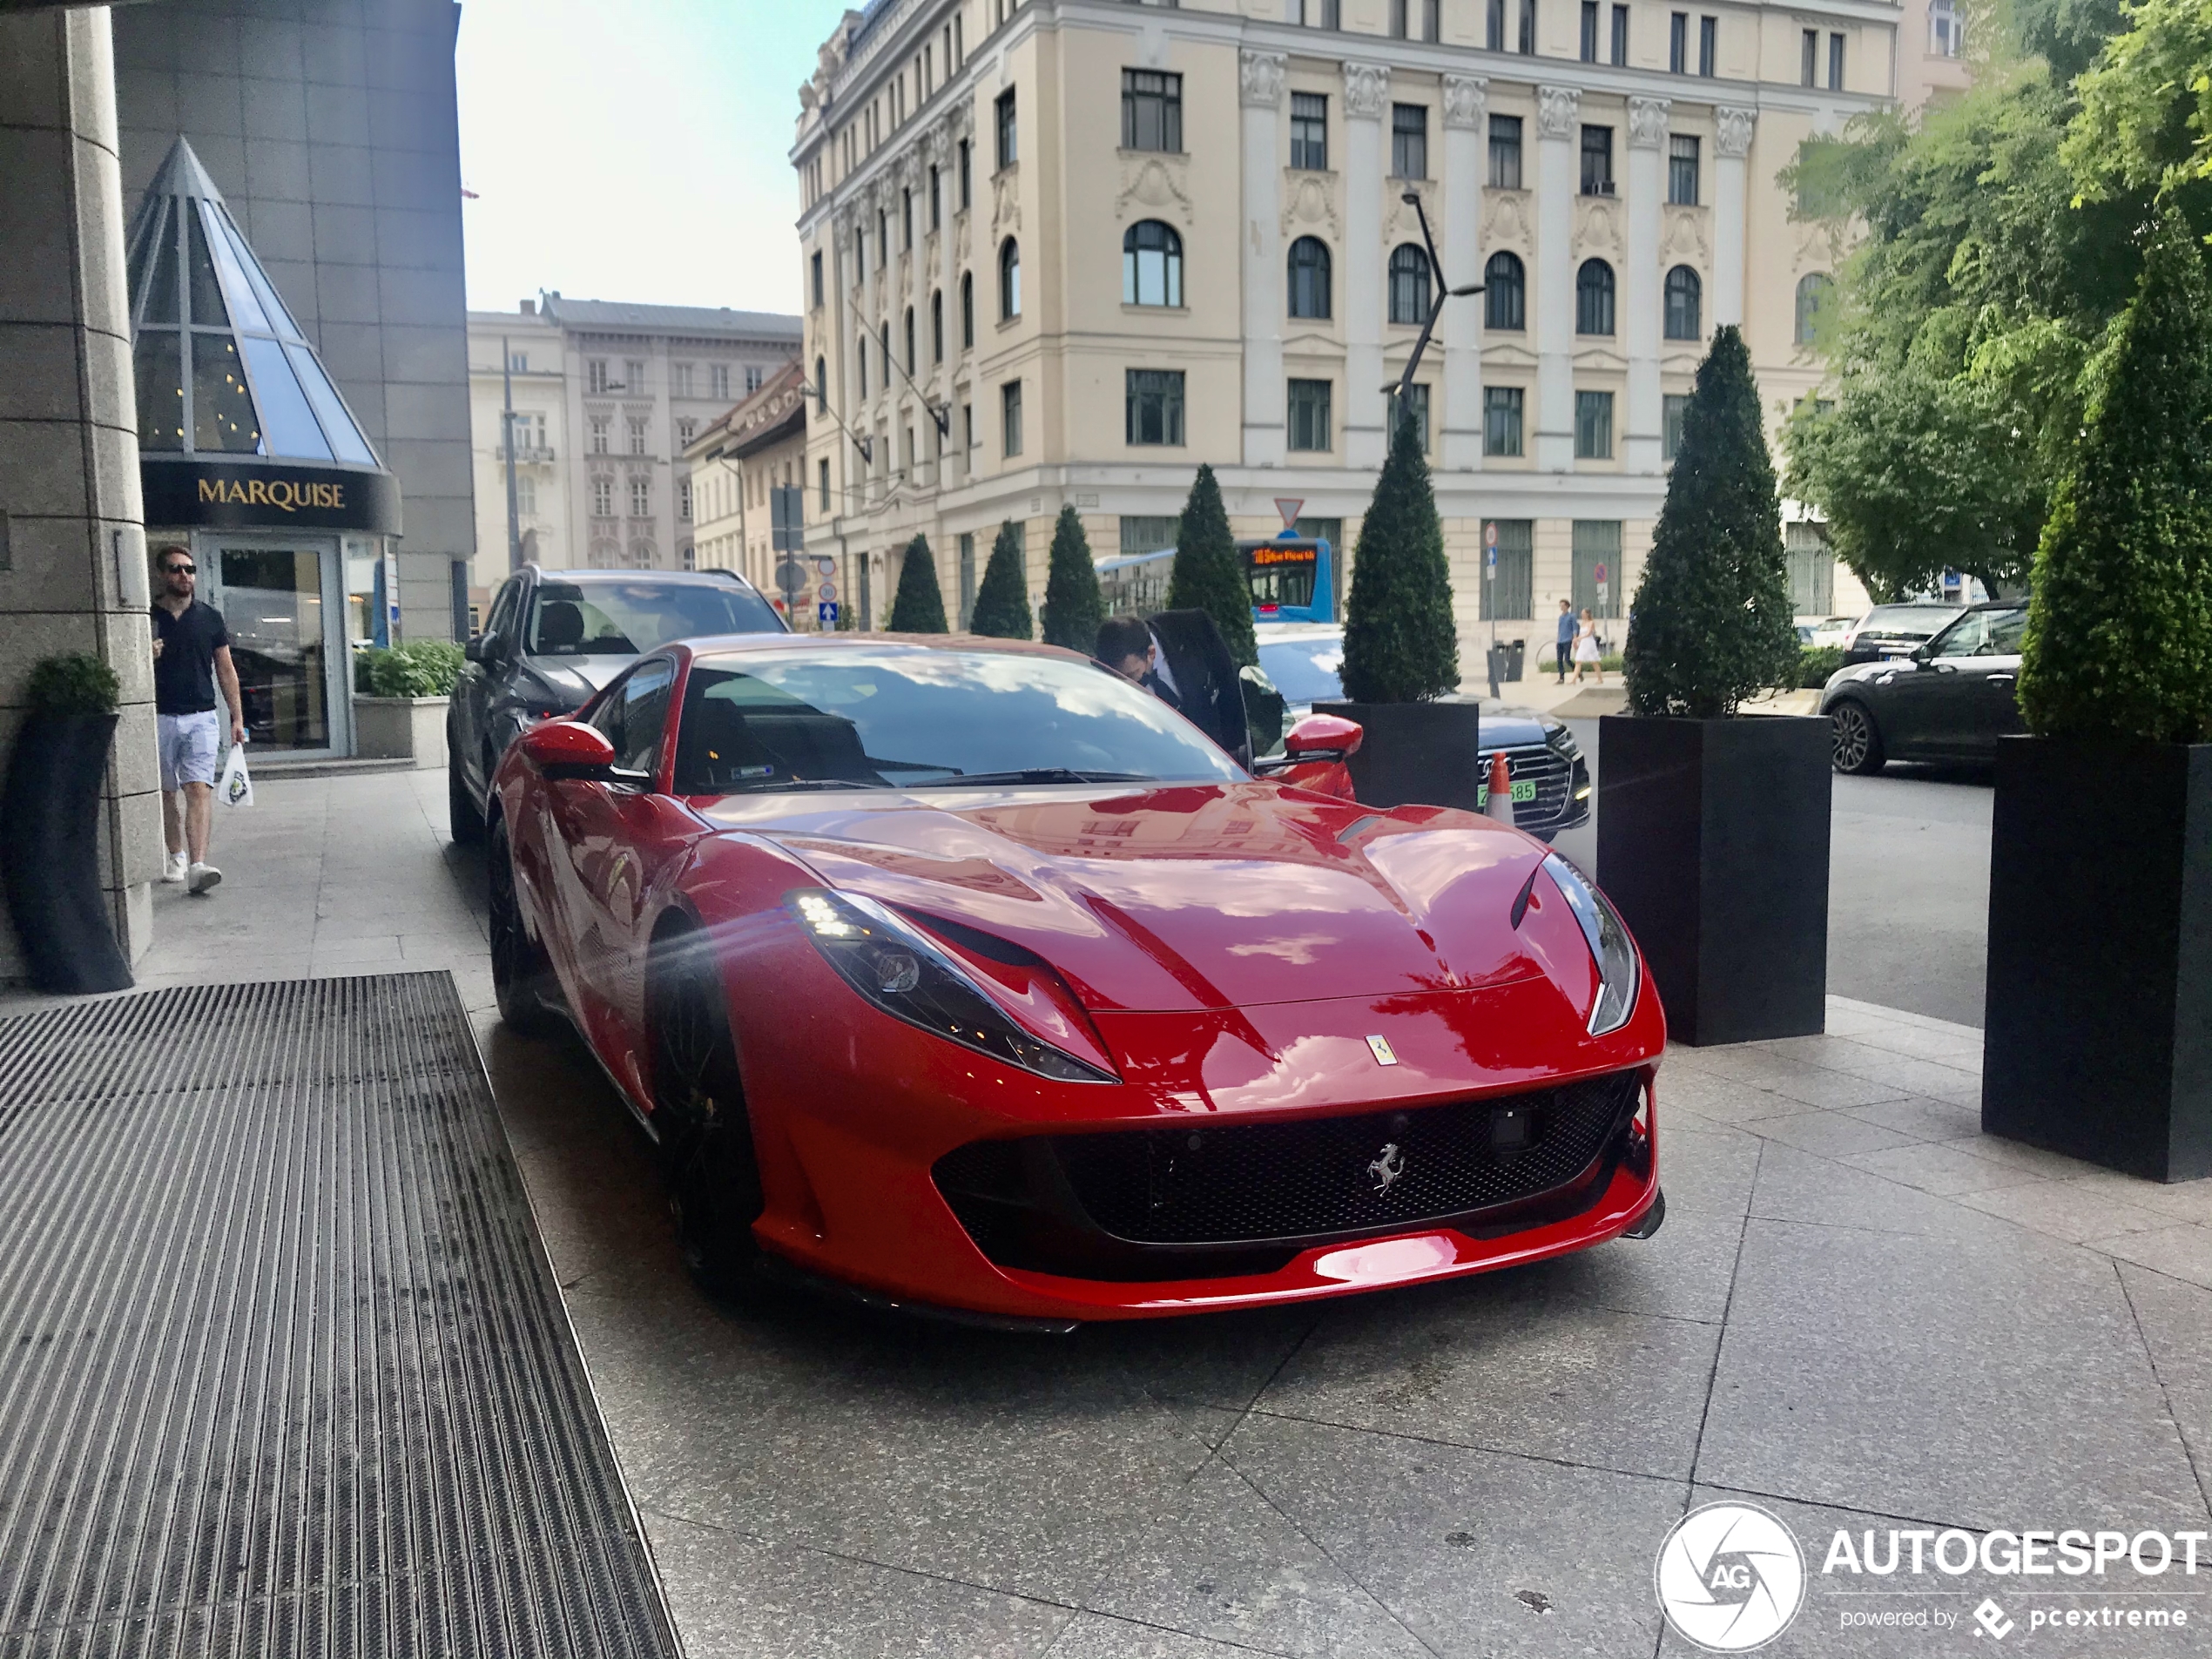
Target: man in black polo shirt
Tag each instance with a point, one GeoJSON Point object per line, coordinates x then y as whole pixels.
{"type": "Point", "coordinates": [191, 651]}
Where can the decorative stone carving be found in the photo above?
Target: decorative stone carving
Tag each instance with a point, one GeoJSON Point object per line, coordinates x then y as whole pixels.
{"type": "Point", "coordinates": [1733, 137]}
{"type": "Point", "coordinates": [1648, 123]}
{"type": "Point", "coordinates": [1260, 78]}
{"type": "Point", "coordinates": [1599, 230]}
{"type": "Point", "coordinates": [1464, 97]}
{"type": "Point", "coordinates": [1152, 186]}
{"type": "Point", "coordinates": [1309, 202]}
{"type": "Point", "coordinates": [1685, 237]}
{"type": "Point", "coordinates": [1557, 109]}
{"type": "Point", "coordinates": [1505, 218]}
{"type": "Point", "coordinates": [1367, 89]}
{"type": "Point", "coordinates": [1401, 223]}
{"type": "Point", "coordinates": [1006, 203]}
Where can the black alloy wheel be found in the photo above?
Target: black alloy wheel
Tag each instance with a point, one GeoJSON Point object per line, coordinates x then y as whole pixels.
{"type": "Point", "coordinates": [521, 975]}
{"type": "Point", "coordinates": [706, 1137]}
{"type": "Point", "coordinates": [462, 820]}
{"type": "Point", "coordinates": [1856, 743]}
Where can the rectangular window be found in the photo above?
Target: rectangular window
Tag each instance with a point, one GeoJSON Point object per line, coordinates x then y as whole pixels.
{"type": "Point", "coordinates": [1505, 152]}
{"type": "Point", "coordinates": [967, 578]}
{"type": "Point", "coordinates": [821, 485]}
{"type": "Point", "coordinates": [1593, 426]}
{"type": "Point", "coordinates": [816, 264]}
{"type": "Point", "coordinates": [525, 494]}
{"type": "Point", "coordinates": [1501, 413]}
{"type": "Point", "coordinates": [1598, 577]}
{"type": "Point", "coordinates": [1419, 409]}
{"type": "Point", "coordinates": [1310, 132]}
{"type": "Point", "coordinates": [519, 362]}
{"type": "Point", "coordinates": [1148, 534]}
{"type": "Point", "coordinates": [602, 498]}
{"type": "Point", "coordinates": [1620, 36]}
{"type": "Point", "coordinates": [1678, 44]}
{"type": "Point", "coordinates": [1398, 19]}
{"type": "Point", "coordinates": [633, 375]}
{"type": "Point", "coordinates": [752, 377]}
{"type": "Point", "coordinates": [967, 423]}
{"type": "Point", "coordinates": [1808, 57]}
{"type": "Point", "coordinates": [1409, 140]}
{"type": "Point", "coordinates": [595, 375]}
{"type": "Point", "coordinates": [683, 499]}
{"type": "Point", "coordinates": [1153, 404]}
{"type": "Point", "coordinates": [1589, 30]}
{"type": "Point", "coordinates": [1835, 63]}
{"type": "Point", "coordinates": [967, 175]}
{"type": "Point", "coordinates": [1812, 569]}
{"type": "Point", "coordinates": [936, 201]}
{"type": "Point", "coordinates": [1508, 585]}
{"type": "Point", "coordinates": [1597, 161]}
{"type": "Point", "coordinates": [1671, 408]}
{"type": "Point", "coordinates": [1681, 171]}
{"type": "Point", "coordinates": [1527, 43]}
{"type": "Point", "coordinates": [718, 379]}
{"type": "Point", "coordinates": [1002, 124]}
{"type": "Point", "coordinates": [1708, 46]}
{"type": "Point", "coordinates": [599, 427]}
{"type": "Point", "coordinates": [1494, 25]}
{"type": "Point", "coordinates": [641, 498]}
{"type": "Point", "coordinates": [637, 438]}
{"type": "Point", "coordinates": [679, 379]}
{"type": "Point", "coordinates": [685, 431]}
{"type": "Point", "coordinates": [1432, 20]}
{"type": "Point", "coordinates": [906, 221]}
{"type": "Point", "coordinates": [1310, 415]}
{"type": "Point", "coordinates": [1011, 416]}
{"type": "Point", "coordinates": [1151, 110]}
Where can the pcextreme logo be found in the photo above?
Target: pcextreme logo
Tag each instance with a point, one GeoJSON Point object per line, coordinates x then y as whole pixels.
{"type": "Point", "coordinates": [1729, 1577]}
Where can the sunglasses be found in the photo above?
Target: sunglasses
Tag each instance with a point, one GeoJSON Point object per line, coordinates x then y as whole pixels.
{"type": "Point", "coordinates": [180, 569]}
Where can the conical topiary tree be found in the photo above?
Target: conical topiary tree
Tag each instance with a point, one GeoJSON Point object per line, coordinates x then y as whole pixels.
{"type": "Point", "coordinates": [1711, 623]}
{"type": "Point", "coordinates": [1002, 597]}
{"type": "Point", "coordinates": [2118, 638]}
{"type": "Point", "coordinates": [1399, 643]}
{"type": "Point", "coordinates": [1207, 574]}
{"type": "Point", "coordinates": [1073, 605]}
{"type": "Point", "coordinates": [919, 606]}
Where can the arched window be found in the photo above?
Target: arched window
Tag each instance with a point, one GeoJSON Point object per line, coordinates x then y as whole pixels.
{"type": "Point", "coordinates": [1594, 298]}
{"type": "Point", "coordinates": [967, 310]}
{"type": "Point", "coordinates": [937, 326]}
{"type": "Point", "coordinates": [1151, 264]}
{"type": "Point", "coordinates": [1308, 277]}
{"type": "Point", "coordinates": [1684, 297]}
{"type": "Point", "coordinates": [821, 384]}
{"type": "Point", "coordinates": [1815, 290]}
{"type": "Point", "coordinates": [1504, 293]}
{"type": "Point", "coordinates": [1408, 284]}
{"type": "Point", "coordinates": [913, 363]}
{"type": "Point", "coordinates": [1009, 280]}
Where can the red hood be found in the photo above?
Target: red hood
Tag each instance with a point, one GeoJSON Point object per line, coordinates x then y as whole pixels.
{"type": "Point", "coordinates": [1185, 897]}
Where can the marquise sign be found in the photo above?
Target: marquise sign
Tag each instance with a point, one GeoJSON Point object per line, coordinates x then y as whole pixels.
{"type": "Point", "coordinates": [232, 495]}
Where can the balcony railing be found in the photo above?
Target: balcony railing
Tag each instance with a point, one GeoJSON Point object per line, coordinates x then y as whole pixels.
{"type": "Point", "coordinates": [532, 454]}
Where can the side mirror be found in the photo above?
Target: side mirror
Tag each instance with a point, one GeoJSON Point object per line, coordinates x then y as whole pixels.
{"type": "Point", "coordinates": [473, 651]}
{"type": "Point", "coordinates": [1320, 737]}
{"type": "Point", "coordinates": [569, 749]}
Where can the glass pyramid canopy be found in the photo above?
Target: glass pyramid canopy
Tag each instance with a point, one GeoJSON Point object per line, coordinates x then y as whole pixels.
{"type": "Point", "coordinates": [222, 369]}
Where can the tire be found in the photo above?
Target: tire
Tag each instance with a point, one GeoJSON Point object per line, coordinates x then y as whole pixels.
{"type": "Point", "coordinates": [706, 1137]}
{"type": "Point", "coordinates": [1856, 741]}
{"type": "Point", "coordinates": [462, 819]}
{"type": "Point", "coordinates": [521, 975]}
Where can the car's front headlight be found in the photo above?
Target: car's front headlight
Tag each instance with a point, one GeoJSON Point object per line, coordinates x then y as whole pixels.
{"type": "Point", "coordinates": [896, 967]}
{"type": "Point", "coordinates": [1610, 947]}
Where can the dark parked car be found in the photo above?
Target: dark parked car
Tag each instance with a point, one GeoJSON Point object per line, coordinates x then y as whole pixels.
{"type": "Point", "coordinates": [553, 637]}
{"type": "Point", "coordinates": [1950, 700]}
{"type": "Point", "coordinates": [1551, 780]}
{"type": "Point", "coordinates": [1895, 630]}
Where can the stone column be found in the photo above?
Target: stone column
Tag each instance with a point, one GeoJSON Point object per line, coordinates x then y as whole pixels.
{"type": "Point", "coordinates": [845, 226]}
{"type": "Point", "coordinates": [1366, 94]}
{"type": "Point", "coordinates": [73, 574]}
{"type": "Point", "coordinates": [1259, 81]}
{"type": "Point", "coordinates": [1641, 293]}
{"type": "Point", "coordinates": [913, 175]}
{"type": "Point", "coordinates": [1551, 295]}
{"type": "Point", "coordinates": [1733, 141]}
{"type": "Point", "coordinates": [1464, 97]}
{"type": "Point", "coordinates": [948, 285]}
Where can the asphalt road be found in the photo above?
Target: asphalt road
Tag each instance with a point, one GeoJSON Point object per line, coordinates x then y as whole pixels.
{"type": "Point", "coordinates": [1908, 885]}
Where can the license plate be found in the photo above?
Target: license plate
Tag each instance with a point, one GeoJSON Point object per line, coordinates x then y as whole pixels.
{"type": "Point", "coordinates": [1524, 789]}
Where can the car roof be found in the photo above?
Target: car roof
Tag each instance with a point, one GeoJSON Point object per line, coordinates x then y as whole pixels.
{"type": "Point", "coordinates": [695, 578]}
{"type": "Point", "coordinates": [736, 644]}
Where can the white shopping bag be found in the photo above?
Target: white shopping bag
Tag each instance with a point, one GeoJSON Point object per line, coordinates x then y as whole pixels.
{"type": "Point", "coordinates": [235, 788]}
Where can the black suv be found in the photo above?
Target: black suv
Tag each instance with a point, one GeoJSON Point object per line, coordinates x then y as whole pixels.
{"type": "Point", "coordinates": [1896, 631]}
{"type": "Point", "coordinates": [556, 637]}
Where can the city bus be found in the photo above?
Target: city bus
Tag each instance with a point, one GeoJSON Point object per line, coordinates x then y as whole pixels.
{"type": "Point", "coordinates": [1290, 577]}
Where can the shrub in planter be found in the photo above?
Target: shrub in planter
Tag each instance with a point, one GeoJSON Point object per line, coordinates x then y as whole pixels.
{"type": "Point", "coordinates": [2100, 987]}
{"type": "Point", "coordinates": [1712, 830]}
{"type": "Point", "coordinates": [1207, 574]}
{"type": "Point", "coordinates": [1073, 605]}
{"type": "Point", "coordinates": [919, 606]}
{"type": "Point", "coordinates": [1002, 597]}
{"type": "Point", "coordinates": [50, 822]}
{"type": "Point", "coordinates": [1401, 652]}
{"type": "Point", "coordinates": [415, 668]}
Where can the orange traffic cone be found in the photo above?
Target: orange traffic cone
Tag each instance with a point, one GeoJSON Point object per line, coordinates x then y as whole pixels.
{"type": "Point", "coordinates": [1499, 804]}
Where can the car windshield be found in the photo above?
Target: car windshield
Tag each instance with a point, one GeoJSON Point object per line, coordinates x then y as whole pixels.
{"type": "Point", "coordinates": [1304, 671]}
{"type": "Point", "coordinates": [1913, 622]}
{"type": "Point", "coordinates": [911, 716]}
{"type": "Point", "coordinates": [622, 618]}
{"type": "Point", "coordinates": [1983, 633]}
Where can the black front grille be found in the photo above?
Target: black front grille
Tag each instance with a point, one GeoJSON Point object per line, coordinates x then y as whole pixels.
{"type": "Point", "coordinates": [1202, 1197]}
{"type": "Point", "coordinates": [1554, 776]}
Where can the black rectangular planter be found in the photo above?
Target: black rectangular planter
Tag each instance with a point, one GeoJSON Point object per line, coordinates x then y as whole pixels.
{"type": "Point", "coordinates": [2097, 1039]}
{"type": "Point", "coordinates": [1416, 754]}
{"type": "Point", "coordinates": [1712, 841]}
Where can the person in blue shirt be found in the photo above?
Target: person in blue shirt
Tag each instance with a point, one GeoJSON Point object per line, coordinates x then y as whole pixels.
{"type": "Point", "coordinates": [1566, 641]}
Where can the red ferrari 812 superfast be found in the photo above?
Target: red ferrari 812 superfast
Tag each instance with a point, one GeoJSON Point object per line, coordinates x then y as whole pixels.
{"type": "Point", "coordinates": [969, 976]}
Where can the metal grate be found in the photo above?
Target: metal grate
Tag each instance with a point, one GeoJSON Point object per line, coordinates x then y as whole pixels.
{"type": "Point", "coordinates": [283, 1369]}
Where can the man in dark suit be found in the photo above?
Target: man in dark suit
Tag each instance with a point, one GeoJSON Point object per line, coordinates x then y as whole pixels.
{"type": "Point", "coordinates": [1126, 645]}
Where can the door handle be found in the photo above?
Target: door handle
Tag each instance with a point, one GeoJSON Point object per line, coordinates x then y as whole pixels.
{"type": "Point", "coordinates": [2001, 679]}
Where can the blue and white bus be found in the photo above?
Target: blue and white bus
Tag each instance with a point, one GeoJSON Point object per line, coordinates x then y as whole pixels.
{"type": "Point", "coordinates": [1290, 578]}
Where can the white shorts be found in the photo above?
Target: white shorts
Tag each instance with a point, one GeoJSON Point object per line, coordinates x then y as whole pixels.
{"type": "Point", "coordinates": [187, 747]}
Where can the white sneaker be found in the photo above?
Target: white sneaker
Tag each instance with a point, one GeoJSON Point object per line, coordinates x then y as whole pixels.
{"type": "Point", "coordinates": [174, 870]}
{"type": "Point", "coordinates": [204, 878]}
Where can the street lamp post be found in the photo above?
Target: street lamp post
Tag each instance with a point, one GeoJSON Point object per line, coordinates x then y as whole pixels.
{"type": "Point", "coordinates": [507, 423]}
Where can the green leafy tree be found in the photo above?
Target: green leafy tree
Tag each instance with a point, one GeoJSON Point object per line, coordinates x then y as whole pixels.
{"type": "Point", "coordinates": [1073, 605]}
{"type": "Point", "coordinates": [2146, 120]}
{"type": "Point", "coordinates": [919, 606]}
{"type": "Point", "coordinates": [1207, 574]}
{"type": "Point", "coordinates": [1399, 643]}
{"type": "Point", "coordinates": [1002, 597]}
{"type": "Point", "coordinates": [2120, 630]}
{"type": "Point", "coordinates": [1711, 625]}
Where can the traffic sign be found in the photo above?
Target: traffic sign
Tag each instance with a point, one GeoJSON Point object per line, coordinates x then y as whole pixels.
{"type": "Point", "coordinates": [827, 592]}
{"type": "Point", "coordinates": [791, 575]}
{"type": "Point", "coordinates": [1490, 538]}
{"type": "Point", "coordinates": [1289, 506]}
{"type": "Point", "coordinates": [827, 567]}
{"type": "Point", "coordinates": [1601, 575]}
{"type": "Point", "coordinates": [1490, 565]}
{"type": "Point", "coordinates": [826, 612]}
{"type": "Point", "coordinates": [1604, 590]}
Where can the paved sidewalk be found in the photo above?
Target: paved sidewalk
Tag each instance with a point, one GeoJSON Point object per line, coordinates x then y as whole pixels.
{"type": "Point", "coordinates": [1861, 1313]}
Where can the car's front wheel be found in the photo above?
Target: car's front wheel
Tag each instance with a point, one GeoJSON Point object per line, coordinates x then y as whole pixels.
{"type": "Point", "coordinates": [521, 975]}
{"type": "Point", "coordinates": [706, 1137]}
{"type": "Point", "coordinates": [1856, 742]}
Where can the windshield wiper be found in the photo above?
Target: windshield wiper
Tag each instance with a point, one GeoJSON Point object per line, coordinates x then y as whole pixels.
{"type": "Point", "coordinates": [802, 783]}
{"type": "Point", "coordinates": [1042, 775]}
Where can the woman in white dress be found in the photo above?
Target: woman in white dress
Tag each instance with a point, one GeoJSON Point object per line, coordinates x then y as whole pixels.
{"type": "Point", "coordinates": [1586, 651]}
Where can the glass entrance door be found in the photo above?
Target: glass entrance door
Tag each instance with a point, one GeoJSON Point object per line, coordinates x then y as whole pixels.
{"type": "Point", "coordinates": [272, 598]}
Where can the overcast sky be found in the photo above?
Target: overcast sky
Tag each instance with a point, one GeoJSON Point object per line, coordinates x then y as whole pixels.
{"type": "Point", "coordinates": [636, 151]}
